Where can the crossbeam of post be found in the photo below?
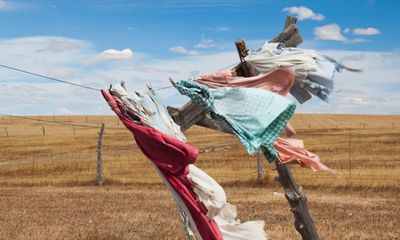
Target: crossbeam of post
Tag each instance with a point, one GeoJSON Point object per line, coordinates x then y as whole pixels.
{"type": "Point", "coordinates": [191, 114]}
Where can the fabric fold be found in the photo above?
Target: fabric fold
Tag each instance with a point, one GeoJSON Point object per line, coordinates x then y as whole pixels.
{"type": "Point", "coordinates": [256, 116]}
{"type": "Point", "coordinates": [314, 72]}
{"type": "Point", "coordinates": [279, 80]}
{"type": "Point", "coordinates": [292, 151]}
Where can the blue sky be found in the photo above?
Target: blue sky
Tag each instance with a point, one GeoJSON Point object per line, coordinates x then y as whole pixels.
{"type": "Point", "coordinates": [100, 42]}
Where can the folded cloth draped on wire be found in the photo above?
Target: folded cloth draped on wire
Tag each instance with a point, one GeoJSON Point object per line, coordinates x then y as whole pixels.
{"type": "Point", "coordinates": [256, 116]}
{"type": "Point", "coordinates": [292, 151]}
{"type": "Point", "coordinates": [279, 81]}
{"type": "Point", "coordinates": [200, 200]}
{"type": "Point", "coordinates": [314, 72]}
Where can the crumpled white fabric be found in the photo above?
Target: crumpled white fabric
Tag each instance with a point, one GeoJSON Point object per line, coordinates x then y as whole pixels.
{"type": "Point", "coordinates": [270, 56]}
{"type": "Point", "coordinates": [213, 196]}
{"type": "Point", "coordinates": [148, 106]}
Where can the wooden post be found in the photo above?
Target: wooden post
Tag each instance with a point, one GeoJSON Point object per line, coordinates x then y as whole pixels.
{"type": "Point", "coordinates": [259, 167]}
{"type": "Point", "coordinates": [297, 199]}
{"type": "Point", "coordinates": [73, 129]}
{"type": "Point", "coordinates": [243, 69]}
{"type": "Point", "coordinates": [99, 176]}
{"type": "Point", "coordinates": [5, 129]}
{"type": "Point", "coordinates": [33, 161]}
{"type": "Point", "coordinates": [86, 119]}
{"type": "Point", "coordinates": [350, 154]}
{"type": "Point", "coordinates": [44, 131]}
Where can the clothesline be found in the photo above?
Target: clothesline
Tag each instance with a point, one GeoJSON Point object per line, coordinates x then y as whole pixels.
{"type": "Point", "coordinates": [47, 77]}
{"type": "Point", "coordinates": [76, 84]}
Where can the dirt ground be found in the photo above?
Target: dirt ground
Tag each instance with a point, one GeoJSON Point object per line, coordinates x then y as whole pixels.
{"type": "Point", "coordinates": [47, 182]}
{"type": "Point", "coordinates": [133, 212]}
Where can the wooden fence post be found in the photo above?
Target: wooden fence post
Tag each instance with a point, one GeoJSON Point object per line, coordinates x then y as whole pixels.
{"type": "Point", "coordinates": [259, 167]}
{"type": "Point", "coordinates": [33, 161]}
{"type": "Point", "coordinates": [350, 154]}
{"type": "Point", "coordinates": [73, 129]}
{"type": "Point", "coordinates": [99, 176]}
{"type": "Point", "coordinates": [44, 131]}
{"type": "Point", "coordinates": [5, 129]}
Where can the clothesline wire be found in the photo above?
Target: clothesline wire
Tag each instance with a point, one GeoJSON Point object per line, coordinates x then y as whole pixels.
{"type": "Point", "coordinates": [47, 77]}
{"type": "Point", "coordinates": [233, 64]}
{"type": "Point", "coordinates": [76, 84]}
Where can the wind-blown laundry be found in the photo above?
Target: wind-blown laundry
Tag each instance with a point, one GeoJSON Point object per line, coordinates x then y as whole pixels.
{"type": "Point", "coordinates": [200, 200]}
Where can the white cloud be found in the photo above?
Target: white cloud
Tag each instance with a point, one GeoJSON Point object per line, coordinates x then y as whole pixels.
{"type": "Point", "coordinates": [303, 13]}
{"type": "Point", "coordinates": [366, 31]}
{"type": "Point", "coordinates": [5, 5]}
{"type": "Point", "coordinates": [219, 29]}
{"type": "Point", "coordinates": [110, 55]}
{"type": "Point", "coordinates": [205, 44]}
{"type": "Point", "coordinates": [62, 73]}
{"type": "Point", "coordinates": [329, 32]}
{"type": "Point", "coordinates": [62, 111]}
{"type": "Point", "coordinates": [374, 91]}
{"type": "Point", "coordinates": [61, 45]}
{"type": "Point", "coordinates": [358, 40]}
{"type": "Point", "coordinates": [184, 51]}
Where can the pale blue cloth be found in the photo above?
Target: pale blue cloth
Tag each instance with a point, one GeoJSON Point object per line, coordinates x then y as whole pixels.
{"type": "Point", "coordinates": [256, 116]}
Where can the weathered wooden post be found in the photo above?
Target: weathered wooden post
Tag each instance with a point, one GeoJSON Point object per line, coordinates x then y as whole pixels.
{"type": "Point", "coordinates": [5, 129]}
{"type": "Point", "coordinates": [99, 176]}
{"type": "Point", "coordinates": [350, 154]}
{"type": "Point", "coordinates": [44, 131]}
{"type": "Point", "coordinates": [259, 167]}
{"type": "Point", "coordinates": [297, 199]}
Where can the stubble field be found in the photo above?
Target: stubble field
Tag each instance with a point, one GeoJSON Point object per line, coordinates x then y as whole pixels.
{"type": "Point", "coordinates": [47, 182]}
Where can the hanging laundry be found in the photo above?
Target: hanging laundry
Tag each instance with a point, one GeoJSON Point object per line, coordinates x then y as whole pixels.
{"type": "Point", "coordinates": [256, 116]}
{"type": "Point", "coordinates": [212, 195]}
{"type": "Point", "coordinates": [314, 72]}
{"type": "Point", "coordinates": [147, 105]}
{"type": "Point", "coordinates": [279, 81]}
{"type": "Point", "coordinates": [200, 200]}
{"type": "Point", "coordinates": [292, 150]}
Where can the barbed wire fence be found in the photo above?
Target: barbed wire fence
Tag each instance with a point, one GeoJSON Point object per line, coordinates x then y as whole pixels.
{"type": "Point", "coordinates": [352, 153]}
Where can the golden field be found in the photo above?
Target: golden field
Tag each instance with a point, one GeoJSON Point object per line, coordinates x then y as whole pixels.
{"type": "Point", "coordinates": [47, 182]}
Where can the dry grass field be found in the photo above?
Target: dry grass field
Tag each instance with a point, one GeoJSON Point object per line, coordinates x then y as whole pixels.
{"type": "Point", "coordinates": [47, 182]}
